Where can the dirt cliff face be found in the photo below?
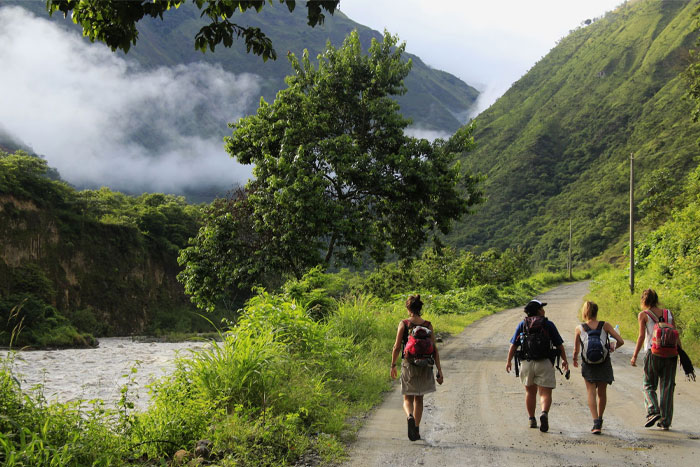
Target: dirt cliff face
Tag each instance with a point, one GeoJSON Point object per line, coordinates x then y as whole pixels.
{"type": "Point", "coordinates": [113, 272]}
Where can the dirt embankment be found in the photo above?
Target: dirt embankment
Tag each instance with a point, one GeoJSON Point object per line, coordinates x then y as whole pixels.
{"type": "Point", "coordinates": [478, 417]}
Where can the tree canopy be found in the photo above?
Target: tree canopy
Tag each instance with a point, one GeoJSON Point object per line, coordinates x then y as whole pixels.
{"type": "Point", "coordinates": [114, 21]}
{"type": "Point", "coordinates": [335, 176]}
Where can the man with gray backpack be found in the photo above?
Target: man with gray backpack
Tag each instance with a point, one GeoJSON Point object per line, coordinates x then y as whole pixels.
{"type": "Point", "coordinates": [537, 344]}
{"type": "Point", "coordinates": [592, 343]}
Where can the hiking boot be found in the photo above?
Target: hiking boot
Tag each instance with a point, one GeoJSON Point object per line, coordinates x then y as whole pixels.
{"type": "Point", "coordinates": [411, 428]}
{"type": "Point", "coordinates": [544, 422]}
{"type": "Point", "coordinates": [597, 426]}
{"type": "Point", "coordinates": [417, 433]}
{"type": "Point", "coordinates": [651, 419]}
{"type": "Point", "coordinates": [533, 422]}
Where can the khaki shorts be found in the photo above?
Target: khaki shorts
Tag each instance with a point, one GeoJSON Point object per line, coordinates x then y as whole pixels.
{"type": "Point", "coordinates": [538, 372]}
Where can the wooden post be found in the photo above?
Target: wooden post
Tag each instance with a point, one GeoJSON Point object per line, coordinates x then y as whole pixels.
{"type": "Point", "coordinates": [570, 266]}
{"type": "Point", "coordinates": [631, 223]}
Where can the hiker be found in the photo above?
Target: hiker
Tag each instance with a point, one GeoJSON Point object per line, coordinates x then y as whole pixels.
{"type": "Point", "coordinates": [660, 360]}
{"type": "Point", "coordinates": [539, 345]}
{"type": "Point", "coordinates": [416, 368]}
{"type": "Point", "coordinates": [591, 339]}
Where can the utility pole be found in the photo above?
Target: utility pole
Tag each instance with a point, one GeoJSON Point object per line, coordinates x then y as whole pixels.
{"type": "Point", "coordinates": [631, 223]}
{"type": "Point", "coordinates": [570, 267]}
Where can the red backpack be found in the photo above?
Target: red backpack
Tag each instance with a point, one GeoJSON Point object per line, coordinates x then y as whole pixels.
{"type": "Point", "coordinates": [418, 344]}
{"type": "Point", "coordinates": [664, 337]}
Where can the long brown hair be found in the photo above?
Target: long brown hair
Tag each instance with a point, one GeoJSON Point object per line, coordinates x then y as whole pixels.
{"type": "Point", "coordinates": [649, 298]}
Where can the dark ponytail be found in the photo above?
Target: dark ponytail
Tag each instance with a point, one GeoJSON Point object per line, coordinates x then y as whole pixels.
{"type": "Point", "coordinates": [414, 304]}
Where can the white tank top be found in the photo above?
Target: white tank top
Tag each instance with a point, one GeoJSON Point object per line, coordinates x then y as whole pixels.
{"type": "Point", "coordinates": [650, 329]}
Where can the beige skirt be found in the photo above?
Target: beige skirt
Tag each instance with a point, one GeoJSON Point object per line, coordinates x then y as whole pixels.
{"type": "Point", "coordinates": [416, 380]}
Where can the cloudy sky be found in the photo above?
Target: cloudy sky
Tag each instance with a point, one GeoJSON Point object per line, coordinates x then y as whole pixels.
{"type": "Point", "coordinates": [88, 110]}
{"type": "Point", "coordinates": [487, 43]}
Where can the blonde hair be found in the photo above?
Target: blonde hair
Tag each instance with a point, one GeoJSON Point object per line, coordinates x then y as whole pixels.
{"type": "Point", "coordinates": [589, 311]}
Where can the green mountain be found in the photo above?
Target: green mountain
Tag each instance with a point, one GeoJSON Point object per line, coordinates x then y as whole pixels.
{"type": "Point", "coordinates": [556, 147]}
{"type": "Point", "coordinates": [435, 100]}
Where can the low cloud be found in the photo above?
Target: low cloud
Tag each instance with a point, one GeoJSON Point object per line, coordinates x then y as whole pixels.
{"type": "Point", "coordinates": [103, 121]}
{"type": "Point", "coordinates": [424, 133]}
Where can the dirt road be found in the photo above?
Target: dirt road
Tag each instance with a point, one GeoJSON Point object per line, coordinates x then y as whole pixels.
{"type": "Point", "coordinates": [478, 417]}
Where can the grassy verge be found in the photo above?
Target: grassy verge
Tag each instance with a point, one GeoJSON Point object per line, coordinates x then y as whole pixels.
{"type": "Point", "coordinates": [610, 290]}
{"type": "Point", "coordinates": [279, 386]}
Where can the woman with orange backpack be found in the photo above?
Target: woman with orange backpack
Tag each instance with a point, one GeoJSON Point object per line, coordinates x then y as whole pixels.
{"type": "Point", "coordinates": [659, 336]}
{"type": "Point", "coordinates": [415, 340]}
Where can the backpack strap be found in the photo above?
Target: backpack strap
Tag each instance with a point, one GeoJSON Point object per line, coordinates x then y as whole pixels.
{"type": "Point", "coordinates": [600, 325]}
{"type": "Point", "coordinates": [652, 316]}
{"type": "Point", "coordinates": [585, 327]}
{"type": "Point", "coordinates": [667, 317]}
{"type": "Point", "coordinates": [404, 340]}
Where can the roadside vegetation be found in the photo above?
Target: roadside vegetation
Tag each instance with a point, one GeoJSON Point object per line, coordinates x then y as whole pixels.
{"type": "Point", "coordinates": [667, 259]}
{"type": "Point", "coordinates": [290, 379]}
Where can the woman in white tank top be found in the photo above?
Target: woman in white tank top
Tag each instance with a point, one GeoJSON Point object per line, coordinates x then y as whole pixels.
{"type": "Point", "coordinates": [659, 371]}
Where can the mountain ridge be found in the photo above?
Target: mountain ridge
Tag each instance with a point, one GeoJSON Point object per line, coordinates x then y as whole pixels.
{"type": "Point", "coordinates": [556, 145]}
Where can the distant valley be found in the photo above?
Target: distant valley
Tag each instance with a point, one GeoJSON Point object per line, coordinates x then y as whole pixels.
{"type": "Point", "coordinates": [156, 121]}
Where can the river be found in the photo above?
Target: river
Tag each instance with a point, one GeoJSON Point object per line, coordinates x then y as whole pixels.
{"type": "Point", "coordinates": [100, 373]}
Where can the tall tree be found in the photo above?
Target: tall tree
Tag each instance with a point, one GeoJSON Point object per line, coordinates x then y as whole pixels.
{"type": "Point", "coordinates": [114, 21]}
{"type": "Point", "coordinates": [335, 174]}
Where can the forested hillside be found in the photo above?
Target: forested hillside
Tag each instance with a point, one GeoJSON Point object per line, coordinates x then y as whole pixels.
{"type": "Point", "coordinates": [557, 145]}
{"type": "Point", "coordinates": [94, 261]}
{"type": "Point", "coordinates": [435, 100]}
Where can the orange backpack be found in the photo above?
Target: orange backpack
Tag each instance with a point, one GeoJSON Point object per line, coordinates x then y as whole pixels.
{"type": "Point", "coordinates": [664, 337]}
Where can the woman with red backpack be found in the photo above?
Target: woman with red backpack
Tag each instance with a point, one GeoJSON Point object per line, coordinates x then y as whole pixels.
{"type": "Point", "coordinates": [415, 340]}
{"type": "Point", "coordinates": [659, 336]}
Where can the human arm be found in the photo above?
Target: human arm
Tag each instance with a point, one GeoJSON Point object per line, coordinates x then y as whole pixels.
{"type": "Point", "coordinates": [558, 343]}
{"type": "Point", "coordinates": [641, 335]}
{"type": "Point", "coordinates": [439, 378]}
{"type": "Point", "coordinates": [564, 361]}
{"type": "Point", "coordinates": [611, 332]}
{"type": "Point", "coordinates": [511, 353]}
{"type": "Point", "coordinates": [397, 348]}
{"type": "Point", "coordinates": [577, 345]}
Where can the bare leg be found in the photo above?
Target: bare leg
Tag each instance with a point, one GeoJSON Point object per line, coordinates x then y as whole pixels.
{"type": "Point", "coordinates": [408, 405]}
{"type": "Point", "coordinates": [418, 409]}
{"type": "Point", "coordinates": [602, 397]}
{"type": "Point", "coordinates": [592, 403]}
{"type": "Point", "coordinates": [545, 398]}
{"type": "Point", "coordinates": [530, 399]}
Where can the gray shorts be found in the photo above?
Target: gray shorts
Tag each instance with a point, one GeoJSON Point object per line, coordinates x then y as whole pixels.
{"type": "Point", "coordinates": [538, 372]}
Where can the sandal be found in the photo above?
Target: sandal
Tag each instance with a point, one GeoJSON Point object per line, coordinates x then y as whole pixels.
{"type": "Point", "coordinates": [651, 419]}
{"type": "Point", "coordinates": [597, 425]}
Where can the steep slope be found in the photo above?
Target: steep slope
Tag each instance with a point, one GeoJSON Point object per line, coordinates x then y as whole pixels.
{"type": "Point", "coordinates": [557, 145]}
{"type": "Point", "coordinates": [435, 100]}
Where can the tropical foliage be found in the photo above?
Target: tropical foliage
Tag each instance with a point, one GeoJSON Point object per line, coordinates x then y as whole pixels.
{"type": "Point", "coordinates": [667, 260]}
{"type": "Point", "coordinates": [114, 21]}
{"type": "Point", "coordinates": [287, 380]}
{"type": "Point", "coordinates": [335, 177]}
{"type": "Point", "coordinates": [556, 147]}
{"type": "Point", "coordinates": [76, 262]}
